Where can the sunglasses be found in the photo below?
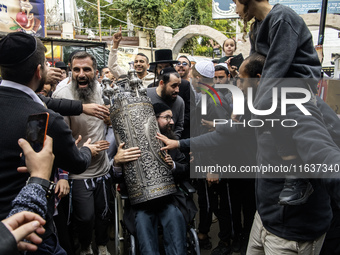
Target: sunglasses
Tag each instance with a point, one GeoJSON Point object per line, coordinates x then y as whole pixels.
{"type": "Point", "coordinates": [182, 63]}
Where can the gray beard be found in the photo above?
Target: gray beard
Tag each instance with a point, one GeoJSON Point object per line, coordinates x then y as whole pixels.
{"type": "Point", "coordinates": [85, 95]}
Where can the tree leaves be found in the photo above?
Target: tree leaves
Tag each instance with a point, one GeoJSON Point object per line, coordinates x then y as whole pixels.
{"type": "Point", "coordinates": [149, 14]}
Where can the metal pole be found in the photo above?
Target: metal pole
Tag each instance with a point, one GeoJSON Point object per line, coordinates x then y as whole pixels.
{"type": "Point", "coordinates": [322, 22]}
{"type": "Point", "coordinates": [52, 53]}
{"type": "Point", "coordinates": [99, 22]}
{"type": "Point", "coordinates": [64, 10]}
{"type": "Point", "coordinates": [104, 56]}
{"type": "Point", "coordinates": [151, 51]}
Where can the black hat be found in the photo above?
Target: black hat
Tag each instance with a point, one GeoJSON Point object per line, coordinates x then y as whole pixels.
{"type": "Point", "coordinates": [168, 69]}
{"type": "Point", "coordinates": [164, 56]}
{"type": "Point", "coordinates": [16, 47]}
{"type": "Point", "coordinates": [160, 107]}
{"type": "Point", "coordinates": [61, 65]}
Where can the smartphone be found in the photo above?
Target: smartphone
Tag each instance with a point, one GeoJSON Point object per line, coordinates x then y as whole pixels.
{"type": "Point", "coordinates": [237, 60]}
{"type": "Point", "coordinates": [36, 129]}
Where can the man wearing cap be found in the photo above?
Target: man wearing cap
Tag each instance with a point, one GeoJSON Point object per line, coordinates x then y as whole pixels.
{"type": "Point", "coordinates": [61, 65]}
{"type": "Point", "coordinates": [222, 76]}
{"type": "Point", "coordinates": [141, 62]}
{"type": "Point", "coordinates": [142, 219]}
{"type": "Point", "coordinates": [23, 53]}
{"type": "Point", "coordinates": [164, 59]}
{"type": "Point", "coordinates": [212, 192]}
{"type": "Point", "coordinates": [167, 93]}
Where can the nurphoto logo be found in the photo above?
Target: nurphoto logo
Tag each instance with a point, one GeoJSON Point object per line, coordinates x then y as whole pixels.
{"type": "Point", "coordinates": [239, 102]}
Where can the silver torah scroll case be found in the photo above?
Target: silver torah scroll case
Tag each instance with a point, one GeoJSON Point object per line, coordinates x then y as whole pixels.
{"type": "Point", "coordinates": [134, 123]}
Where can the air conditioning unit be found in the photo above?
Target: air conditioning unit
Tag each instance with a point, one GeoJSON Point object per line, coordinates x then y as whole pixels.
{"type": "Point", "coordinates": [68, 31]}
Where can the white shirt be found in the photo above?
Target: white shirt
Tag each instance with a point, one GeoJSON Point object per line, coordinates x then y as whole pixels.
{"type": "Point", "coordinates": [23, 88]}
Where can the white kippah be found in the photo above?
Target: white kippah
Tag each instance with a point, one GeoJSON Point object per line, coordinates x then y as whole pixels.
{"type": "Point", "coordinates": [205, 68]}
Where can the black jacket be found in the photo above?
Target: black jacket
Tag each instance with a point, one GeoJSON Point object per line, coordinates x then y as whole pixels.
{"type": "Point", "coordinates": [314, 146]}
{"type": "Point", "coordinates": [63, 106]}
{"type": "Point", "coordinates": [287, 43]}
{"type": "Point", "coordinates": [16, 106]}
{"type": "Point", "coordinates": [184, 203]}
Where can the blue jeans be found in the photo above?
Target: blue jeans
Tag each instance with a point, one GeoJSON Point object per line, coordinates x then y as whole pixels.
{"type": "Point", "coordinates": [174, 230]}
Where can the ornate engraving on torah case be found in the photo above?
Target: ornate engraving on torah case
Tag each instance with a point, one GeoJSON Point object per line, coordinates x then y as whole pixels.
{"type": "Point", "coordinates": [134, 123]}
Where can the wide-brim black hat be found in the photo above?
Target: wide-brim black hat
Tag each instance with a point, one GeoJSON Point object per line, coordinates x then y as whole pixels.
{"type": "Point", "coordinates": [61, 65]}
{"type": "Point", "coordinates": [163, 56]}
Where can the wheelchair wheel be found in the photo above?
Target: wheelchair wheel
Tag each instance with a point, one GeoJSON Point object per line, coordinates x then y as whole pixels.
{"type": "Point", "coordinates": [132, 249]}
{"type": "Point", "coordinates": [193, 247]}
{"type": "Point", "coordinates": [120, 235]}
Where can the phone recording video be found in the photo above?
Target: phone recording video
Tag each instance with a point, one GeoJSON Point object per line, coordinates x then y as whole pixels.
{"type": "Point", "coordinates": [36, 129]}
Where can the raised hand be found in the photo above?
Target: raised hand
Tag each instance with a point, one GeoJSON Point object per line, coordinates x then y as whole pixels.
{"type": "Point", "coordinates": [117, 37]}
{"type": "Point", "coordinates": [38, 164]}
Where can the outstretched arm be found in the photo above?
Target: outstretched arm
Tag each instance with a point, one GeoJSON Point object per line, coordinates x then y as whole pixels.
{"type": "Point", "coordinates": [115, 69]}
{"type": "Point", "coordinates": [96, 110]}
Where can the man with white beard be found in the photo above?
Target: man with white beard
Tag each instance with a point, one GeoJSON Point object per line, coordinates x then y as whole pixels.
{"type": "Point", "coordinates": [90, 189]}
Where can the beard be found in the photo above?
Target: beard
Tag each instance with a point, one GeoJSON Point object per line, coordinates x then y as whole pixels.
{"type": "Point", "coordinates": [166, 97]}
{"type": "Point", "coordinates": [86, 95]}
{"type": "Point", "coordinates": [168, 132]}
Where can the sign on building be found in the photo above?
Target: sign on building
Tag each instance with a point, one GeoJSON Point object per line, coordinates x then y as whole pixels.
{"type": "Point", "coordinates": [23, 15]}
{"type": "Point", "coordinates": [225, 9]}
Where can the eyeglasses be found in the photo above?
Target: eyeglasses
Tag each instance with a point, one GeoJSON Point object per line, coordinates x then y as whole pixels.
{"type": "Point", "coordinates": [167, 117]}
{"type": "Point", "coordinates": [182, 63]}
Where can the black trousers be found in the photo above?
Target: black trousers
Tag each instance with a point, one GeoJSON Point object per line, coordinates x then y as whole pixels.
{"type": "Point", "coordinates": [242, 195]}
{"type": "Point", "coordinates": [90, 209]}
{"type": "Point", "coordinates": [214, 199]}
{"type": "Point", "coordinates": [64, 231]}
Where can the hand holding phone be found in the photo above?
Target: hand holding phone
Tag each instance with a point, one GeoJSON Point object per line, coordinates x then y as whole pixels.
{"type": "Point", "coordinates": [237, 60]}
{"type": "Point", "coordinates": [36, 128]}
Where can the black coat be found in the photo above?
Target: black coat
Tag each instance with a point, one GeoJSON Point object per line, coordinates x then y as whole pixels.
{"type": "Point", "coordinates": [314, 146]}
{"type": "Point", "coordinates": [184, 203]}
{"type": "Point", "coordinates": [63, 106]}
{"type": "Point", "coordinates": [15, 107]}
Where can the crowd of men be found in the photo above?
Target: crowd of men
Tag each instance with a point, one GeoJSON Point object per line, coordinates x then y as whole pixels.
{"type": "Point", "coordinates": [88, 161]}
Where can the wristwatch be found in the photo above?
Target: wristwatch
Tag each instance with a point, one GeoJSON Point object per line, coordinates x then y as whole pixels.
{"type": "Point", "coordinates": [48, 186]}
